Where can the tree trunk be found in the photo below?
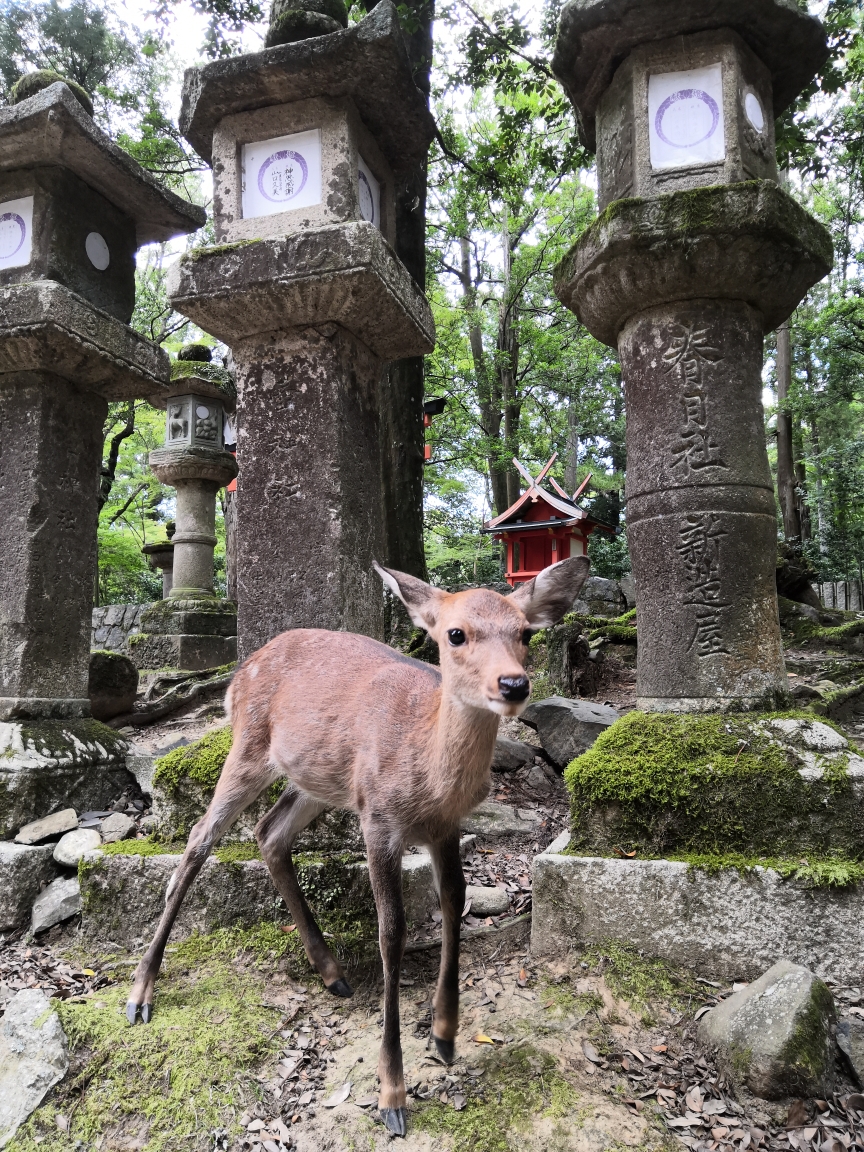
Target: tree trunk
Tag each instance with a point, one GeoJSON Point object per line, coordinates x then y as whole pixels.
{"type": "Point", "coordinates": [571, 481]}
{"type": "Point", "coordinates": [786, 494]}
{"type": "Point", "coordinates": [401, 395]}
{"type": "Point", "coordinates": [508, 368]}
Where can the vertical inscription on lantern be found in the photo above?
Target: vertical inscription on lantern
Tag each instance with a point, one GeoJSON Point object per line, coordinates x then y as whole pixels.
{"type": "Point", "coordinates": [699, 537]}
{"type": "Point", "coordinates": [695, 448]}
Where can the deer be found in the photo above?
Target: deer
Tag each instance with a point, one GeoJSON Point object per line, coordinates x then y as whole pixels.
{"type": "Point", "coordinates": [351, 723]}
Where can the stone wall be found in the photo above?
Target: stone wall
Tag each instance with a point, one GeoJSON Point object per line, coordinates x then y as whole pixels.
{"type": "Point", "coordinates": [843, 594]}
{"type": "Point", "coordinates": [111, 625]}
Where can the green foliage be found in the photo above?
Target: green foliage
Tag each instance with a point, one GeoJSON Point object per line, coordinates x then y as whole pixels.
{"type": "Point", "coordinates": [521, 1084]}
{"type": "Point", "coordinates": [609, 555]}
{"type": "Point", "coordinates": [836, 871]}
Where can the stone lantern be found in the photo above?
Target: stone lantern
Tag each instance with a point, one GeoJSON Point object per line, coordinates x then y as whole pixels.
{"type": "Point", "coordinates": [192, 628]}
{"type": "Point", "coordinates": [73, 210]}
{"type": "Point", "coordinates": [307, 140]}
{"type": "Point", "coordinates": [697, 253]}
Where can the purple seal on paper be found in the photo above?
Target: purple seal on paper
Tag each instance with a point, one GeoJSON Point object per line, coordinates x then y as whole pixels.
{"type": "Point", "coordinates": [12, 234]}
{"type": "Point", "coordinates": [282, 176]}
{"type": "Point", "coordinates": [687, 94]}
{"type": "Point", "coordinates": [367, 200]}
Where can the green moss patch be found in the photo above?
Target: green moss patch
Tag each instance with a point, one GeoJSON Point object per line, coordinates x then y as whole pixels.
{"type": "Point", "coordinates": [643, 982]}
{"type": "Point", "coordinates": [836, 871]}
{"type": "Point", "coordinates": [200, 762]}
{"type": "Point", "coordinates": [188, 1072]}
{"type": "Point", "coordinates": [147, 846]}
{"type": "Point", "coordinates": [660, 784]}
{"type": "Point", "coordinates": [520, 1085]}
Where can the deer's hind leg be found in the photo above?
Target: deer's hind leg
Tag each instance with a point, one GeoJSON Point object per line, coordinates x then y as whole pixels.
{"type": "Point", "coordinates": [236, 789]}
{"type": "Point", "coordinates": [276, 833]}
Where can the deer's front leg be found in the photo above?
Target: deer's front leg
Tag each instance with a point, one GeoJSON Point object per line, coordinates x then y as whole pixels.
{"type": "Point", "coordinates": [450, 882]}
{"type": "Point", "coordinates": [385, 873]}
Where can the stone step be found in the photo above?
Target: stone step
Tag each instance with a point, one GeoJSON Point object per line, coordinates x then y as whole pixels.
{"type": "Point", "coordinates": [123, 895]}
{"type": "Point", "coordinates": [726, 924]}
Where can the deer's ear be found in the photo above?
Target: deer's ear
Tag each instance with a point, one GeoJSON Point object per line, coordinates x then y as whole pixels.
{"type": "Point", "coordinates": [550, 595]}
{"type": "Point", "coordinates": [421, 599]}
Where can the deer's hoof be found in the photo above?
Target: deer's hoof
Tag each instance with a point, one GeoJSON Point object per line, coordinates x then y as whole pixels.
{"type": "Point", "coordinates": [146, 1013]}
{"type": "Point", "coordinates": [395, 1120]}
{"type": "Point", "coordinates": [131, 1011]}
{"type": "Point", "coordinates": [446, 1049]}
{"type": "Point", "coordinates": [341, 988]}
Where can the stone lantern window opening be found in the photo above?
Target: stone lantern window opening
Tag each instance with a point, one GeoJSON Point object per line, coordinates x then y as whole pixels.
{"type": "Point", "coordinates": [279, 175]}
{"type": "Point", "coordinates": [685, 113]}
{"type": "Point", "coordinates": [16, 232]}
{"type": "Point", "coordinates": [98, 252]}
{"type": "Point", "coordinates": [297, 167]}
{"type": "Point", "coordinates": [194, 420]}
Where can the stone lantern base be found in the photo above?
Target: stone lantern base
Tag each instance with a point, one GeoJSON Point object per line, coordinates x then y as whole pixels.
{"type": "Point", "coordinates": [46, 765]}
{"type": "Point", "coordinates": [189, 634]}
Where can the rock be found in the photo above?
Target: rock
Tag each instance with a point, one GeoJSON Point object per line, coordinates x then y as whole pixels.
{"type": "Point", "coordinates": [493, 821]}
{"type": "Point", "coordinates": [117, 826]}
{"type": "Point", "coordinates": [60, 900]}
{"type": "Point", "coordinates": [777, 1032]}
{"type": "Point", "coordinates": [70, 848]}
{"type": "Point", "coordinates": [24, 869]}
{"type": "Point", "coordinates": [48, 827]}
{"type": "Point", "coordinates": [850, 1041]}
{"type": "Point", "coordinates": [723, 924]}
{"type": "Point", "coordinates": [418, 886]}
{"type": "Point", "coordinates": [511, 754]}
{"type": "Point", "coordinates": [627, 584]}
{"type": "Point", "coordinates": [33, 1058]}
{"type": "Point", "coordinates": [112, 685]}
{"type": "Point", "coordinates": [571, 664]}
{"type": "Point", "coordinates": [567, 728]}
{"type": "Point", "coordinates": [603, 597]}
{"type": "Point", "coordinates": [487, 901]}
{"type": "Point", "coordinates": [538, 780]}
{"type": "Point", "coordinates": [558, 845]}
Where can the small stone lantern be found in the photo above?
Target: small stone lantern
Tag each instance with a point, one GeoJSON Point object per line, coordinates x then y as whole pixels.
{"type": "Point", "coordinates": [307, 140]}
{"type": "Point", "coordinates": [192, 628]}
{"type": "Point", "coordinates": [160, 558]}
{"type": "Point", "coordinates": [73, 210]}
{"type": "Point", "coordinates": [696, 255]}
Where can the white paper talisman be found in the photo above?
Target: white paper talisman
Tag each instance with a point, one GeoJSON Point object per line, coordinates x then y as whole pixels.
{"type": "Point", "coordinates": [685, 117]}
{"type": "Point", "coordinates": [16, 232]}
{"type": "Point", "coordinates": [369, 192]}
{"type": "Point", "coordinates": [282, 174]}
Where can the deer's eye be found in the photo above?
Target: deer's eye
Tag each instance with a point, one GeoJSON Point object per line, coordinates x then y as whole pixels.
{"type": "Point", "coordinates": [456, 636]}
{"type": "Point", "coordinates": [526, 637]}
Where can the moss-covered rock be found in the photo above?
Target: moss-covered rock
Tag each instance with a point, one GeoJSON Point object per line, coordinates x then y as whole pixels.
{"type": "Point", "coordinates": [42, 78]}
{"type": "Point", "coordinates": [50, 764]}
{"type": "Point", "coordinates": [183, 785]}
{"type": "Point", "coordinates": [662, 784]}
{"type": "Point", "coordinates": [293, 20]}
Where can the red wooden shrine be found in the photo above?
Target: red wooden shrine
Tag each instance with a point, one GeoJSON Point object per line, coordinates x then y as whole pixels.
{"type": "Point", "coordinates": [542, 527]}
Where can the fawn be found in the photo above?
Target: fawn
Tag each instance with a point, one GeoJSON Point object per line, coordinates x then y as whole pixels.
{"type": "Point", "coordinates": [354, 724]}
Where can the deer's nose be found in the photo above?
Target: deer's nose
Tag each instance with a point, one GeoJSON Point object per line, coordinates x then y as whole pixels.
{"type": "Point", "coordinates": [514, 687]}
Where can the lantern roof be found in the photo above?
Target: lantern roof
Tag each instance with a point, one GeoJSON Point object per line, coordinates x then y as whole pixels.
{"type": "Point", "coordinates": [51, 129]}
{"type": "Point", "coordinates": [367, 62]}
{"type": "Point", "coordinates": [569, 512]}
{"type": "Point", "coordinates": [595, 36]}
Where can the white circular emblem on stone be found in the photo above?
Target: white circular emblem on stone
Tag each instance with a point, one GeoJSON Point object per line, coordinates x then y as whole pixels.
{"type": "Point", "coordinates": [686, 118]}
{"type": "Point", "coordinates": [13, 233]}
{"type": "Point", "coordinates": [201, 412]}
{"type": "Point", "coordinates": [367, 203]}
{"type": "Point", "coordinates": [97, 251]}
{"type": "Point", "coordinates": [283, 175]}
{"type": "Point", "coordinates": [753, 111]}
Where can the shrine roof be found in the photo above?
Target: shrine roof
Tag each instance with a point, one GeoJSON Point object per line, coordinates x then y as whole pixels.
{"type": "Point", "coordinates": [367, 62]}
{"type": "Point", "coordinates": [52, 129]}
{"type": "Point", "coordinates": [570, 510]}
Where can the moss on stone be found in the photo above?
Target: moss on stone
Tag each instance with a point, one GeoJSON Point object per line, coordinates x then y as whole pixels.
{"type": "Point", "coordinates": [661, 783]}
{"type": "Point", "coordinates": [808, 1049]}
{"type": "Point", "coordinates": [200, 762]}
{"type": "Point", "coordinates": [816, 871]}
{"type": "Point", "coordinates": [803, 630]}
{"type": "Point", "coordinates": [520, 1085]}
{"type": "Point", "coordinates": [35, 82]}
{"type": "Point", "coordinates": [615, 633]}
{"type": "Point", "coordinates": [146, 846]}
{"type": "Point", "coordinates": [218, 250]}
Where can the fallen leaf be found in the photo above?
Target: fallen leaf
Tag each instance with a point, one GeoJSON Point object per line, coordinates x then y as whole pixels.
{"type": "Point", "coordinates": [271, 1146]}
{"type": "Point", "coordinates": [458, 1101]}
{"type": "Point", "coordinates": [255, 1126]}
{"type": "Point", "coordinates": [856, 1101]}
{"type": "Point", "coordinates": [659, 1048]}
{"type": "Point", "coordinates": [62, 1122]}
{"type": "Point", "coordinates": [683, 1122]}
{"type": "Point", "coordinates": [522, 978]}
{"type": "Point", "coordinates": [713, 1107]}
{"type": "Point", "coordinates": [306, 1098]}
{"type": "Point", "coordinates": [289, 927]}
{"type": "Point", "coordinates": [705, 1008]}
{"type": "Point", "coordinates": [480, 1038]}
{"type": "Point", "coordinates": [693, 1100]}
{"type": "Point", "coordinates": [635, 1052]}
{"type": "Point", "coordinates": [366, 1102]}
{"type": "Point", "coordinates": [548, 1003]}
{"type": "Point", "coordinates": [625, 855]}
{"type": "Point", "coordinates": [339, 1096]}
{"type": "Point", "coordinates": [797, 1116]}
{"type": "Point", "coordinates": [591, 1053]}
